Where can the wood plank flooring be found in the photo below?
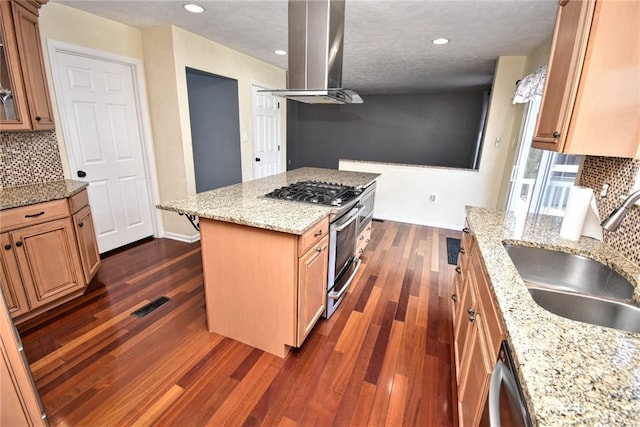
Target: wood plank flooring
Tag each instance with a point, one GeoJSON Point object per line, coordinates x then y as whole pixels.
{"type": "Point", "coordinates": [384, 358]}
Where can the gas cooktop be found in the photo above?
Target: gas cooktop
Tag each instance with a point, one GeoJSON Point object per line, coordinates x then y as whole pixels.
{"type": "Point", "coordinates": [320, 193]}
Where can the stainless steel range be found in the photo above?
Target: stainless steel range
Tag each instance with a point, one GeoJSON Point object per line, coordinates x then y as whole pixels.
{"type": "Point", "coordinates": [343, 228]}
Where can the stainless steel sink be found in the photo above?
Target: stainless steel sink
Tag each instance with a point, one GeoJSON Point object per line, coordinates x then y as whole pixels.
{"type": "Point", "coordinates": [576, 287]}
{"type": "Point", "coordinates": [568, 272]}
{"type": "Point", "coordinates": [589, 309]}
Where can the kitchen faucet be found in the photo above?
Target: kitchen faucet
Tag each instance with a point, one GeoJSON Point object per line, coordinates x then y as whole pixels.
{"type": "Point", "coordinates": [615, 219]}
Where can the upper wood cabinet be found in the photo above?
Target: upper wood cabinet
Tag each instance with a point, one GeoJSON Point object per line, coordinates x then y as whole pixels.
{"type": "Point", "coordinates": [24, 96]}
{"type": "Point", "coordinates": [591, 99]}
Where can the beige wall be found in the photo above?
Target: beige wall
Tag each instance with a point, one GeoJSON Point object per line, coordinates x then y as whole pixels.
{"type": "Point", "coordinates": [168, 50]}
{"type": "Point", "coordinates": [403, 191]}
{"type": "Point", "coordinates": [165, 52]}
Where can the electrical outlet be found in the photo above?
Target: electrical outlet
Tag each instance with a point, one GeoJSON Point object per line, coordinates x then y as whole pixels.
{"type": "Point", "coordinates": [433, 198]}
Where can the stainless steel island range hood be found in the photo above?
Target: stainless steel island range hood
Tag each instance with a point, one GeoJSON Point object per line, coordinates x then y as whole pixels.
{"type": "Point", "coordinates": [316, 33]}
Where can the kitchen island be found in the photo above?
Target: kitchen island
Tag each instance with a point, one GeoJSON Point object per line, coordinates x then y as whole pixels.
{"type": "Point", "coordinates": [572, 373]}
{"type": "Point", "coordinates": [265, 260]}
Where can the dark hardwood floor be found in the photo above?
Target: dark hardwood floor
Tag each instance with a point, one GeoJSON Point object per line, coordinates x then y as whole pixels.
{"type": "Point", "coordinates": [384, 358]}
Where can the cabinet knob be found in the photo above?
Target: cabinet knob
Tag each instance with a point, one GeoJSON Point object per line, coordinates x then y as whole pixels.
{"type": "Point", "coordinates": [454, 297]}
{"type": "Point", "coordinates": [258, 159]}
{"type": "Point", "coordinates": [319, 249]}
{"type": "Point", "coordinates": [471, 311]}
{"type": "Point", "coordinates": [472, 318]}
{"type": "Point", "coordinates": [461, 250]}
{"type": "Point", "coordinates": [81, 174]}
{"type": "Point", "coordinates": [458, 270]}
{"type": "Point", "coordinates": [466, 230]}
{"type": "Point", "coordinates": [18, 244]}
{"type": "Point", "coordinates": [38, 118]}
{"type": "Point", "coordinates": [81, 224]}
{"type": "Point", "coordinates": [7, 247]}
{"type": "Point", "coordinates": [556, 134]}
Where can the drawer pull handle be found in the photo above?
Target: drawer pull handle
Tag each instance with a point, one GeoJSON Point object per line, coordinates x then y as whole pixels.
{"type": "Point", "coordinates": [18, 244]}
{"type": "Point", "coordinates": [319, 233]}
{"type": "Point", "coordinates": [34, 215]}
{"type": "Point", "coordinates": [81, 224]}
{"type": "Point", "coordinates": [466, 230]}
{"type": "Point", "coordinates": [556, 134]}
{"type": "Point", "coordinates": [7, 247]}
{"type": "Point", "coordinates": [458, 270]}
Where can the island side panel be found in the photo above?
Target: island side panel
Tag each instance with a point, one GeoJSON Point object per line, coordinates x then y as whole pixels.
{"type": "Point", "coordinates": [250, 284]}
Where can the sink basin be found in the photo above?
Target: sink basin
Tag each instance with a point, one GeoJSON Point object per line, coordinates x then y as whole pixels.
{"type": "Point", "coordinates": [576, 287]}
{"type": "Point", "coordinates": [568, 272]}
{"type": "Point", "coordinates": [588, 309]}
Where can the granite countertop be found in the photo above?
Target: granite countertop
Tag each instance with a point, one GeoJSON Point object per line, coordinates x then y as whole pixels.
{"type": "Point", "coordinates": [572, 373]}
{"type": "Point", "coordinates": [23, 195]}
{"type": "Point", "coordinates": [243, 203]}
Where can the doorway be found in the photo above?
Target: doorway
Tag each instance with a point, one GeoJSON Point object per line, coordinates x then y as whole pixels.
{"type": "Point", "coordinates": [104, 124]}
{"type": "Point", "coordinates": [215, 129]}
{"type": "Point", "coordinates": [266, 133]}
{"type": "Point", "coordinates": [540, 179]}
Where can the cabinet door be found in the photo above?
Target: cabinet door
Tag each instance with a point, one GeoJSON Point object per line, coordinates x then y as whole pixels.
{"type": "Point", "coordinates": [312, 287]}
{"type": "Point", "coordinates": [563, 74]}
{"type": "Point", "coordinates": [48, 260]}
{"type": "Point", "coordinates": [87, 243]}
{"type": "Point", "coordinates": [28, 37]}
{"type": "Point", "coordinates": [14, 114]}
{"type": "Point", "coordinates": [466, 309]}
{"type": "Point", "coordinates": [10, 277]}
{"type": "Point", "coordinates": [474, 382]}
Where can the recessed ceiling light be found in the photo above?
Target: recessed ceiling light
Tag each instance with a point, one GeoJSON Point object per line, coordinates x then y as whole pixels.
{"type": "Point", "coordinates": [440, 41]}
{"type": "Point", "coordinates": [280, 52]}
{"type": "Point", "coordinates": [194, 8]}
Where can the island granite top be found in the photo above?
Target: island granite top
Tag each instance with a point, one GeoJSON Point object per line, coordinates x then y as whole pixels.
{"type": "Point", "coordinates": [244, 203]}
{"type": "Point", "coordinates": [572, 373]}
{"type": "Point", "coordinates": [23, 195]}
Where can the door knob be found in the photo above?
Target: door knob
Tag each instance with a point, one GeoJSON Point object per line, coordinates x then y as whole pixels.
{"type": "Point", "coordinates": [257, 159]}
{"type": "Point", "coordinates": [82, 174]}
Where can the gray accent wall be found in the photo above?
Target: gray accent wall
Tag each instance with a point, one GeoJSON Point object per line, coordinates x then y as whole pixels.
{"type": "Point", "coordinates": [437, 129]}
{"type": "Point", "coordinates": [215, 129]}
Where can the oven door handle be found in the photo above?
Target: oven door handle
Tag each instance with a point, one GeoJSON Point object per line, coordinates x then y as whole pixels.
{"type": "Point", "coordinates": [353, 217]}
{"type": "Point", "coordinates": [338, 295]}
{"type": "Point", "coordinates": [501, 375]}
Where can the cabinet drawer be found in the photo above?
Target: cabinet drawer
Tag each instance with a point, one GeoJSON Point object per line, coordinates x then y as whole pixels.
{"type": "Point", "coordinates": [78, 201]}
{"type": "Point", "coordinates": [313, 235]}
{"type": "Point", "coordinates": [33, 214]}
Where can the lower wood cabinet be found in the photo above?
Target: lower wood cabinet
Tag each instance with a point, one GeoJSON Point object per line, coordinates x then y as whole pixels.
{"type": "Point", "coordinates": [478, 333]}
{"type": "Point", "coordinates": [262, 287]}
{"type": "Point", "coordinates": [48, 261]}
{"type": "Point", "coordinates": [312, 287]}
{"type": "Point", "coordinates": [49, 254]}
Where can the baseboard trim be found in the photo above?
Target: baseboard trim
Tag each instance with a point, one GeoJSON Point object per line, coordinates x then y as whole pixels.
{"type": "Point", "coordinates": [181, 237]}
{"type": "Point", "coordinates": [420, 222]}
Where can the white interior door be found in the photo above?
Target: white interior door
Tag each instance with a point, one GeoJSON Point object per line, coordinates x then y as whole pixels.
{"type": "Point", "coordinates": [266, 133]}
{"type": "Point", "coordinates": [103, 134]}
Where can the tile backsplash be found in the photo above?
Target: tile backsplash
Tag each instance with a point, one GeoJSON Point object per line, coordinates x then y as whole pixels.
{"type": "Point", "coordinates": [29, 157]}
{"type": "Point", "coordinates": [621, 175]}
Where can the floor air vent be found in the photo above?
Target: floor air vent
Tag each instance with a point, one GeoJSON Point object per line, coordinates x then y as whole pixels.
{"type": "Point", "coordinates": [143, 311]}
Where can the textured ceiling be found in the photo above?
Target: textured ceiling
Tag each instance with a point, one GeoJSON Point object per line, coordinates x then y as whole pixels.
{"type": "Point", "coordinates": [387, 43]}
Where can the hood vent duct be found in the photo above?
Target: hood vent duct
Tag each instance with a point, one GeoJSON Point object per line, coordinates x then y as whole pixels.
{"type": "Point", "coordinates": [316, 33]}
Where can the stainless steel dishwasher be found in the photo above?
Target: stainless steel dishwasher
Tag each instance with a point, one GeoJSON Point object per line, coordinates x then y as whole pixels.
{"type": "Point", "coordinates": [505, 405]}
